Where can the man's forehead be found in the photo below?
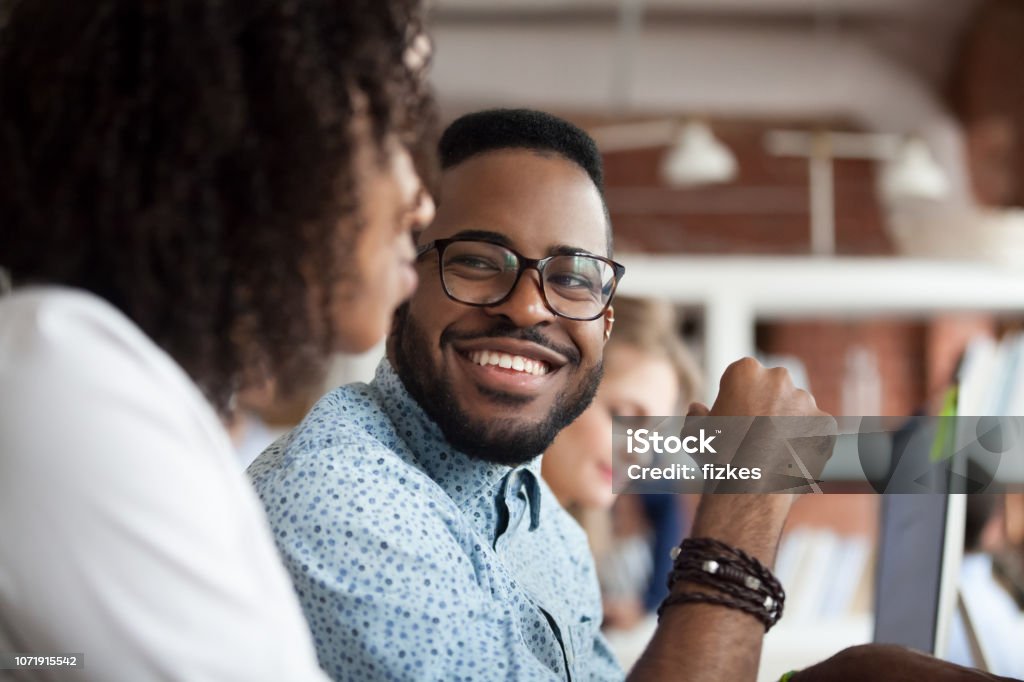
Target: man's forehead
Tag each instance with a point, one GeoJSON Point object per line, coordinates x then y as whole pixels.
{"type": "Point", "coordinates": [537, 202]}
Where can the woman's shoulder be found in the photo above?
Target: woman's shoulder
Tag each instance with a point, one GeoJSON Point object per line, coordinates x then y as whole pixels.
{"type": "Point", "coordinates": [73, 366]}
{"type": "Point", "coordinates": [76, 333]}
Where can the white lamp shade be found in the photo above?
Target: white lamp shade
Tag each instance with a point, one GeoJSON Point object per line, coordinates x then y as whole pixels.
{"type": "Point", "coordinates": [913, 174]}
{"type": "Point", "coordinates": [697, 158]}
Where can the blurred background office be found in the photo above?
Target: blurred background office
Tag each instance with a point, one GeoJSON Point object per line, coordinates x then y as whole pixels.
{"type": "Point", "coordinates": [836, 186]}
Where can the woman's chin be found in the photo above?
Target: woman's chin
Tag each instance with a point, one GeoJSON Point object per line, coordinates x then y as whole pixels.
{"type": "Point", "coordinates": [355, 335]}
{"type": "Point", "coordinates": [600, 499]}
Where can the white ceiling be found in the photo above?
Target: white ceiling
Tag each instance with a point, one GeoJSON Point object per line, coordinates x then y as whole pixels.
{"type": "Point", "coordinates": [881, 64]}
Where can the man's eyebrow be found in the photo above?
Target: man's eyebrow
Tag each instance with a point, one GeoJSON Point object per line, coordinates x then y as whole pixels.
{"type": "Point", "coordinates": [566, 250]}
{"type": "Point", "coordinates": [502, 240]}
{"type": "Point", "coordinates": [484, 235]}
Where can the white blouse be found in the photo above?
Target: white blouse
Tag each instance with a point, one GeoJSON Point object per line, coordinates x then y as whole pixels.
{"type": "Point", "coordinates": [127, 531]}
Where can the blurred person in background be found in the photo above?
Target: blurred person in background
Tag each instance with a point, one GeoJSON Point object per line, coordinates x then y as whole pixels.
{"type": "Point", "coordinates": [648, 372]}
{"type": "Point", "coordinates": [197, 198]}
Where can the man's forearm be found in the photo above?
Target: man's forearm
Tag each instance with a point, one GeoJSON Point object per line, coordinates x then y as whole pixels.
{"type": "Point", "coordinates": [709, 642]}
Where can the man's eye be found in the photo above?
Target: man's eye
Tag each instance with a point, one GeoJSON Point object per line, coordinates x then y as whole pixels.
{"type": "Point", "coordinates": [577, 281]}
{"type": "Point", "coordinates": [573, 281]}
{"type": "Point", "coordinates": [472, 265]}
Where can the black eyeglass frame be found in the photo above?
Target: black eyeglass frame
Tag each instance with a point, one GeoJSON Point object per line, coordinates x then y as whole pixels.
{"type": "Point", "coordinates": [538, 264]}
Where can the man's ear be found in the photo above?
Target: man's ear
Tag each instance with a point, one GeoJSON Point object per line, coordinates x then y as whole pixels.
{"type": "Point", "coordinates": [609, 322]}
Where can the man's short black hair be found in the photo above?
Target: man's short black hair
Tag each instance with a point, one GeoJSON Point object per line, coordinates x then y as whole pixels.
{"type": "Point", "coordinates": [496, 129]}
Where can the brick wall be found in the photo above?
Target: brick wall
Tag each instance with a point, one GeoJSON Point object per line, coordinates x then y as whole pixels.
{"type": "Point", "coordinates": [765, 211]}
{"type": "Point", "coordinates": [822, 345]}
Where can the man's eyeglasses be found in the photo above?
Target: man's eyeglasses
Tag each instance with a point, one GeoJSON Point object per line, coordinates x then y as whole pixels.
{"type": "Point", "coordinates": [480, 273]}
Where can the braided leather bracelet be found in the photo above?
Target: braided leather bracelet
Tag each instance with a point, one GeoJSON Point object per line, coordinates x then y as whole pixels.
{"type": "Point", "coordinates": [733, 563]}
{"type": "Point", "coordinates": [741, 581]}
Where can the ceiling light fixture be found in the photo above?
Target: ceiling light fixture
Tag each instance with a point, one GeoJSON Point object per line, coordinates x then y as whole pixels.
{"type": "Point", "coordinates": [913, 173]}
{"type": "Point", "coordinates": [910, 171]}
{"type": "Point", "coordinates": [697, 158]}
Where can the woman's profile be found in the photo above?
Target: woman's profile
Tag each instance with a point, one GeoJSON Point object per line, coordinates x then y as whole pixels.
{"type": "Point", "coordinates": [196, 197]}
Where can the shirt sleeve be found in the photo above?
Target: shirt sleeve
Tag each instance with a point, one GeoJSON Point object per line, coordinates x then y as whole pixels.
{"type": "Point", "coordinates": [128, 535]}
{"type": "Point", "coordinates": [384, 575]}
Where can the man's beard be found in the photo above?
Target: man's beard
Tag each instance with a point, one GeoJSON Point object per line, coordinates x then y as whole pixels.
{"type": "Point", "coordinates": [502, 441]}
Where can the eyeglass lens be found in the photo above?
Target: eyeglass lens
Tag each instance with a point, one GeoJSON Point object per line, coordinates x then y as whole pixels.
{"type": "Point", "coordinates": [479, 272]}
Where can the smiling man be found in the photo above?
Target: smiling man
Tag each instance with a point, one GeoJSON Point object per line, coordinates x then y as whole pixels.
{"type": "Point", "coordinates": [410, 511]}
{"type": "Point", "coordinates": [518, 355]}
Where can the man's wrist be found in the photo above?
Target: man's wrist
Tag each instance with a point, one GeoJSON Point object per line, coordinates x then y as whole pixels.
{"type": "Point", "coordinates": [749, 522]}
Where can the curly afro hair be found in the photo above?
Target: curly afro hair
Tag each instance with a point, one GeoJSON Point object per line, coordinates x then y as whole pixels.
{"type": "Point", "coordinates": [191, 162]}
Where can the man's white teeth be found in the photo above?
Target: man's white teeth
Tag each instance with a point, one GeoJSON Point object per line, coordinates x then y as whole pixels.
{"type": "Point", "coordinates": [509, 361]}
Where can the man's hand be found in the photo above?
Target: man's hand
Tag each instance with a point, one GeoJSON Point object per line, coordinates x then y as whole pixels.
{"type": "Point", "coordinates": [764, 422]}
{"type": "Point", "coordinates": [709, 642]}
{"type": "Point", "coordinates": [888, 663]}
{"type": "Point", "coordinates": [750, 389]}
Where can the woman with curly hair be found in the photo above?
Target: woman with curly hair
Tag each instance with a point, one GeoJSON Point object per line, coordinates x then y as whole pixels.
{"type": "Point", "coordinates": [196, 197]}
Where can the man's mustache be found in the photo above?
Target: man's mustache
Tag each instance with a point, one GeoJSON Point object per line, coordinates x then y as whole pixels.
{"type": "Point", "coordinates": [511, 331]}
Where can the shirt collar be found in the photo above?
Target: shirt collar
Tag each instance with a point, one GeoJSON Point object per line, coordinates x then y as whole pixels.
{"type": "Point", "coordinates": [465, 479]}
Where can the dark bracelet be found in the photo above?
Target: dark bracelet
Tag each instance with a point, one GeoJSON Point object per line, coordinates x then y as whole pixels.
{"type": "Point", "coordinates": [708, 598]}
{"type": "Point", "coordinates": [732, 563]}
{"type": "Point", "coordinates": [767, 609]}
{"type": "Point", "coordinates": [741, 581]}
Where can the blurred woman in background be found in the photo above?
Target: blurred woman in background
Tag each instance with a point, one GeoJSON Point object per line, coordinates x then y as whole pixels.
{"type": "Point", "coordinates": [647, 372]}
{"type": "Point", "coordinates": [197, 198]}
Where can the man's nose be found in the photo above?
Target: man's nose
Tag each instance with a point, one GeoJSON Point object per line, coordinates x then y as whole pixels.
{"type": "Point", "coordinates": [525, 307]}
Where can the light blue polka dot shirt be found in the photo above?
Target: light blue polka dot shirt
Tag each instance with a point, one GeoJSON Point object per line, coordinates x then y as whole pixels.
{"type": "Point", "coordinates": [416, 562]}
